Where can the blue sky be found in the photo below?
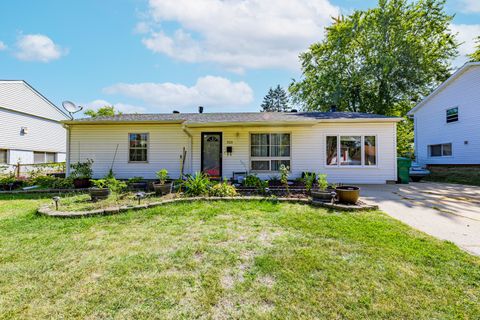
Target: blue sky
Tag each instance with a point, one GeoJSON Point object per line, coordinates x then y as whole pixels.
{"type": "Point", "coordinates": [164, 55]}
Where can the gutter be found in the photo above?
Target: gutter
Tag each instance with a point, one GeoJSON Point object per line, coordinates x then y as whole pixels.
{"type": "Point", "coordinates": [190, 165]}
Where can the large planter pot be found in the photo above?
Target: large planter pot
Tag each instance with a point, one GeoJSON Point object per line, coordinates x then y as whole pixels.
{"type": "Point", "coordinates": [81, 183]}
{"type": "Point", "coordinates": [323, 196]}
{"type": "Point", "coordinates": [99, 193]}
{"type": "Point", "coordinates": [138, 186]}
{"type": "Point", "coordinates": [162, 189]}
{"type": "Point", "coordinates": [348, 194]}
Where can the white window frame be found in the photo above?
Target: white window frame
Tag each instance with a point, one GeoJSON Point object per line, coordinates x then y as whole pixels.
{"type": "Point", "coordinates": [269, 158]}
{"type": "Point", "coordinates": [458, 115]}
{"type": "Point", "coordinates": [45, 157]}
{"type": "Point", "coordinates": [148, 147]}
{"type": "Point", "coordinates": [362, 136]}
{"type": "Point", "coordinates": [441, 150]}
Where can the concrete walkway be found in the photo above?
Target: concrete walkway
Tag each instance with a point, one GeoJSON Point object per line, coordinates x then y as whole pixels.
{"type": "Point", "coordinates": [446, 211]}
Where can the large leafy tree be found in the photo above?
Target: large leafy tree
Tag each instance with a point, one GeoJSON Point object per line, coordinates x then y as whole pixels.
{"type": "Point", "coordinates": [276, 100]}
{"type": "Point", "coordinates": [103, 111]}
{"type": "Point", "coordinates": [476, 55]}
{"type": "Point", "coordinates": [380, 60]}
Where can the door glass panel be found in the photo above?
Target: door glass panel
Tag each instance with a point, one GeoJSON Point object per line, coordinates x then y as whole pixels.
{"type": "Point", "coordinates": [211, 154]}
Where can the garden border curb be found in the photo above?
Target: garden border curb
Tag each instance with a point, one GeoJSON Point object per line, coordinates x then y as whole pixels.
{"type": "Point", "coordinates": [45, 210]}
{"type": "Point", "coordinates": [42, 191]}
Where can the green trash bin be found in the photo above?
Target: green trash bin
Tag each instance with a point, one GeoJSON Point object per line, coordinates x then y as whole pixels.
{"type": "Point", "coordinates": [403, 167]}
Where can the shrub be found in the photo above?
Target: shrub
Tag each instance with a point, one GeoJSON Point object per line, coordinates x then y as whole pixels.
{"type": "Point", "coordinates": [322, 182]}
{"type": "Point", "coordinates": [223, 189]}
{"type": "Point", "coordinates": [82, 170]}
{"type": "Point", "coordinates": [162, 175]}
{"type": "Point", "coordinates": [8, 180]}
{"type": "Point", "coordinates": [100, 183]}
{"type": "Point", "coordinates": [197, 185]}
{"type": "Point", "coordinates": [284, 173]}
{"type": "Point", "coordinates": [51, 182]}
{"type": "Point", "coordinates": [116, 186]}
{"type": "Point", "coordinates": [66, 183]}
{"type": "Point", "coordinates": [251, 181]}
{"type": "Point", "coordinates": [135, 180]}
{"type": "Point", "coordinates": [309, 180]}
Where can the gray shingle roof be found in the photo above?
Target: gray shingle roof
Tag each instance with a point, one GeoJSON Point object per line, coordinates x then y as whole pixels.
{"type": "Point", "coordinates": [249, 117]}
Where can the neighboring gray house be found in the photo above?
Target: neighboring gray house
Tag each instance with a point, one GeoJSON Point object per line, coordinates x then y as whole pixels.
{"type": "Point", "coordinates": [447, 122]}
{"type": "Point", "coordinates": [30, 128]}
{"type": "Point", "coordinates": [349, 147]}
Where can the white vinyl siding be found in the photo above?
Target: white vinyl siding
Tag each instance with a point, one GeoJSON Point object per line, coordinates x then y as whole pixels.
{"type": "Point", "coordinates": [431, 127]}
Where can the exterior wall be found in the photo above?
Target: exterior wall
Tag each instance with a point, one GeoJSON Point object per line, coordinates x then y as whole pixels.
{"type": "Point", "coordinates": [431, 127]}
{"type": "Point", "coordinates": [18, 96]}
{"type": "Point", "coordinates": [98, 142]}
{"type": "Point", "coordinates": [43, 135]}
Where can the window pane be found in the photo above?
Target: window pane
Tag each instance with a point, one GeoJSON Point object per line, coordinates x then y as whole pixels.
{"type": "Point", "coordinates": [331, 151]}
{"type": "Point", "coordinates": [435, 150]}
{"type": "Point", "coordinates": [447, 149]}
{"type": "Point", "coordinates": [350, 150]}
{"type": "Point", "coordinates": [138, 146]}
{"type": "Point", "coordinates": [261, 165]}
{"type": "Point", "coordinates": [280, 145]}
{"type": "Point", "coordinates": [50, 157]}
{"type": "Point", "coordinates": [277, 163]}
{"type": "Point", "coordinates": [260, 139]}
{"type": "Point", "coordinates": [3, 156]}
{"type": "Point", "coordinates": [370, 151]}
{"type": "Point", "coordinates": [260, 151]}
{"type": "Point", "coordinates": [39, 157]}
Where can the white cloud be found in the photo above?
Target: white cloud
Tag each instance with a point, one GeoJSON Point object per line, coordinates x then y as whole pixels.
{"type": "Point", "coordinates": [125, 108]}
{"type": "Point", "coordinates": [470, 6]}
{"type": "Point", "coordinates": [238, 33]}
{"type": "Point", "coordinates": [215, 93]}
{"type": "Point", "coordinates": [38, 47]}
{"type": "Point", "coordinates": [467, 33]}
{"type": "Point", "coordinates": [3, 46]}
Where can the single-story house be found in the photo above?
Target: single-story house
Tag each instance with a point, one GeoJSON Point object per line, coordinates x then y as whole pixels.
{"type": "Point", "coordinates": [348, 147]}
{"type": "Point", "coordinates": [447, 122]}
{"type": "Point", "coordinates": [30, 130]}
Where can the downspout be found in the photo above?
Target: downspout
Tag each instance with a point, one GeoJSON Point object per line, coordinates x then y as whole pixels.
{"type": "Point", "coordinates": [190, 165]}
{"type": "Point", "coordinates": [67, 158]}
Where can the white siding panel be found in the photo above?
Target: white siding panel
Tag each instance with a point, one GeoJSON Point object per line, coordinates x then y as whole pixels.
{"type": "Point", "coordinates": [16, 95]}
{"type": "Point", "coordinates": [42, 135]}
{"type": "Point", "coordinates": [98, 142]}
{"type": "Point", "coordinates": [20, 156]}
{"type": "Point", "coordinates": [431, 126]}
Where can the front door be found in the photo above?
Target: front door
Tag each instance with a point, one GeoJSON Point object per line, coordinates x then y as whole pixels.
{"type": "Point", "coordinates": [212, 154]}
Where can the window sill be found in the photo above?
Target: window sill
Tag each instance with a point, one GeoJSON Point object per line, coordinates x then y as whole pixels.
{"type": "Point", "coordinates": [137, 161]}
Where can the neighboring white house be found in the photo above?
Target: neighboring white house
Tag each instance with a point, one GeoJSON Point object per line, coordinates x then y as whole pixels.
{"type": "Point", "coordinates": [447, 122]}
{"type": "Point", "coordinates": [30, 128]}
{"type": "Point", "coordinates": [349, 147]}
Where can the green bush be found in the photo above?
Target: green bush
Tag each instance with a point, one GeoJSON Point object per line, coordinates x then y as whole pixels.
{"type": "Point", "coordinates": [7, 180]}
{"type": "Point", "coordinates": [197, 185]}
{"type": "Point", "coordinates": [162, 175]}
{"type": "Point", "coordinates": [51, 182]}
{"type": "Point", "coordinates": [309, 180]}
{"type": "Point", "coordinates": [222, 189]}
{"type": "Point", "coordinates": [116, 186]}
{"type": "Point", "coordinates": [322, 182]}
{"type": "Point", "coordinates": [135, 180]}
{"type": "Point", "coordinates": [252, 181]}
{"type": "Point", "coordinates": [82, 170]}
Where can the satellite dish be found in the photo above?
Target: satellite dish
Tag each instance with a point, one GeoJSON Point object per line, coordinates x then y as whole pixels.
{"type": "Point", "coordinates": [71, 107]}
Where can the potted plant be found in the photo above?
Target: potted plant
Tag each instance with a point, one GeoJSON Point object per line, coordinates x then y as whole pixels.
{"type": "Point", "coordinates": [81, 173]}
{"type": "Point", "coordinates": [162, 187]}
{"type": "Point", "coordinates": [137, 183]}
{"type": "Point", "coordinates": [323, 193]}
{"type": "Point", "coordinates": [348, 194]}
{"type": "Point", "coordinates": [100, 191]}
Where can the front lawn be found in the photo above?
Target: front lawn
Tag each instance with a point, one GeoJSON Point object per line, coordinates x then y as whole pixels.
{"type": "Point", "coordinates": [228, 260]}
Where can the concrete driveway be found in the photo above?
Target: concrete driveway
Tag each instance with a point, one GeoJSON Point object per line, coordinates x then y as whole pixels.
{"type": "Point", "coordinates": [446, 211]}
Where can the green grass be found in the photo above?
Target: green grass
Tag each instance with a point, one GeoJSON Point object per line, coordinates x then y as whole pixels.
{"type": "Point", "coordinates": [455, 174]}
{"type": "Point", "coordinates": [255, 260]}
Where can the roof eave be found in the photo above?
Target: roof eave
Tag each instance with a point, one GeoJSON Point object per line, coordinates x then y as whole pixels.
{"type": "Point", "coordinates": [98, 122]}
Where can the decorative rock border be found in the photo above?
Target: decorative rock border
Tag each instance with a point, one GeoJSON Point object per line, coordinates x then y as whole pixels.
{"type": "Point", "coordinates": [35, 191]}
{"type": "Point", "coordinates": [45, 210]}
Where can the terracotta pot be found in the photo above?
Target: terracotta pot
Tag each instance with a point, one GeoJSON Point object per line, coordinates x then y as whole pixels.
{"type": "Point", "coordinates": [162, 189]}
{"type": "Point", "coordinates": [348, 194]}
{"type": "Point", "coordinates": [81, 183]}
{"type": "Point", "coordinates": [99, 193]}
{"type": "Point", "coordinates": [324, 196]}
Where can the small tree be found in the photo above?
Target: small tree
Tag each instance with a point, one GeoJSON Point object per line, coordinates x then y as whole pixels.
{"type": "Point", "coordinates": [105, 111]}
{"type": "Point", "coordinates": [276, 100]}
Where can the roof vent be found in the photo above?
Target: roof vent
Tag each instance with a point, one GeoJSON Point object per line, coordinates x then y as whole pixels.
{"type": "Point", "coordinates": [200, 109]}
{"type": "Point", "coordinates": [333, 108]}
{"type": "Point", "coordinates": [175, 111]}
{"type": "Point", "coordinates": [294, 110]}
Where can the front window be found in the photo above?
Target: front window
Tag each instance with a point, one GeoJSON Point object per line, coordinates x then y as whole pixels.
{"type": "Point", "coordinates": [351, 151]}
{"type": "Point", "coordinates": [452, 115]}
{"type": "Point", "coordinates": [138, 147]}
{"type": "Point", "coordinates": [43, 157]}
{"type": "Point", "coordinates": [268, 151]}
{"type": "Point", "coordinates": [3, 156]}
{"type": "Point", "coordinates": [440, 150]}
